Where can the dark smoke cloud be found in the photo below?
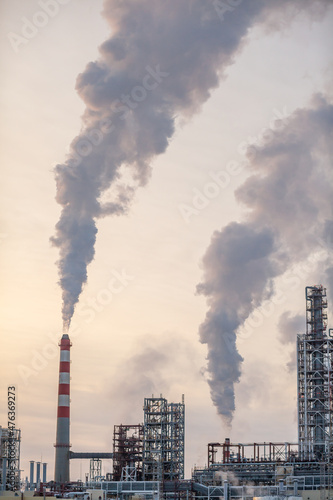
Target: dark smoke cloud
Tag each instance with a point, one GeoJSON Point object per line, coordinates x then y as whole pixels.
{"type": "Point", "coordinates": [162, 60]}
{"type": "Point", "coordinates": [289, 213]}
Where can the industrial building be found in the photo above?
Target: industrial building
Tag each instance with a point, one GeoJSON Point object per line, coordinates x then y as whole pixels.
{"type": "Point", "coordinates": [307, 464]}
{"type": "Point", "coordinates": [148, 457]}
{"type": "Point", "coordinates": [154, 450]}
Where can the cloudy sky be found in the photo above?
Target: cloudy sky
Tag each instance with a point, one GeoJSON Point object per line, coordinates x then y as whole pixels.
{"type": "Point", "coordinates": [210, 199]}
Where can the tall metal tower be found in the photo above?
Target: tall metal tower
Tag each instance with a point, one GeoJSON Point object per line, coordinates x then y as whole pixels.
{"type": "Point", "coordinates": [315, 380]}
{"type": "Point", "coordinates": [163, 443]}
{"type": "Point", "coordinates": [177, 432]}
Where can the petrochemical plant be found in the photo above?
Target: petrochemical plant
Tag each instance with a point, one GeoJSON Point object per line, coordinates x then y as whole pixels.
{"type": "Point", "coordinates": [148, 458]}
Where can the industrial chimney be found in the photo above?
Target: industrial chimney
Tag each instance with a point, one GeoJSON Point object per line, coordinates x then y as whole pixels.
{"type": "Point", "coordinates": [61, 474]}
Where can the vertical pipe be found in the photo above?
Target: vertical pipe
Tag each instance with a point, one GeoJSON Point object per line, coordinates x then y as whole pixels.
{"type": "Point", "coordinates": [226, 451]}
{"type": "Point", "coordinates": [4, 473]}
{"type": "Point", "coordinates": [37, 473]}
{"type": "Point", "coordinates": [307, 437]}
{"type": "Point", "coordinates": [44, 472]}
{"type": "Point", "coordinates": [226, 490]}
{"type": "Point", "coordinates": [61, 475]}
{"type": "Point", "coordinates": [32, 472]}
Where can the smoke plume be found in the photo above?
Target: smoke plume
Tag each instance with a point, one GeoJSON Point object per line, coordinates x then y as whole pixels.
{"type": "Point", "coordinates": [162, 60]}
{"type": "Point", "coordinates": [289, 214]}
{"type": "Point", "coordinates": [289, 326]}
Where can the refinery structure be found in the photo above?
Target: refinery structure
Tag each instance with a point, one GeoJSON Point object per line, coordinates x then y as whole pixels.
{"type": "Point", "coordinates": [148, 457]}
{"type": "Point", "coordinates": [315, 380]}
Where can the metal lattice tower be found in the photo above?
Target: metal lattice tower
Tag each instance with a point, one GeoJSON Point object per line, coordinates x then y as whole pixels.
{"type": "Point", "coordinates": [177, 434]}
{"type": "Point", "coordinates": [10, 440]}
{"type": "Point", "coordinates": [163, 444]}
{"type": "Point", "coordinates": [315, 380]}
{"type": "Point", "coordinates": [127, 451]}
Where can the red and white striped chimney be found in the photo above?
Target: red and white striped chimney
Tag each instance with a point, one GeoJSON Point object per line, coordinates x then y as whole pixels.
{"type": "Point", "coordinates": [61, 474]}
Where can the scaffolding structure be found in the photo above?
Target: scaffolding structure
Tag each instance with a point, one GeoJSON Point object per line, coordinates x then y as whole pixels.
{"type": "Point", "coordinates": [177, 437]}
{"type": "Point", "coordinates": [163, 443]}
{"type": "Point", "coordinates": [127, 452]}
{"type": "Point", "coordinates": [315, 380]}
{"type": "Point", "coordinates": [10, 440]}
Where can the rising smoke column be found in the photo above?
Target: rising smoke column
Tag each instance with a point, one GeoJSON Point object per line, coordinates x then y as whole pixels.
{"type": "Point", "coordinates": [162, 60]}
{"type": "Point", "coordinates": [289, 200]}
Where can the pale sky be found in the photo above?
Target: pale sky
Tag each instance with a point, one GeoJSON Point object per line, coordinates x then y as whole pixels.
{"type": "Point", "coordinates": [141, 336]}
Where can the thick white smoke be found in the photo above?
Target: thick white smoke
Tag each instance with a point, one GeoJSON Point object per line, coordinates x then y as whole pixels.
{"type": "Point", "coordinates": [289, 200]}
{"type": "Point", "coordinates": [162, 59]}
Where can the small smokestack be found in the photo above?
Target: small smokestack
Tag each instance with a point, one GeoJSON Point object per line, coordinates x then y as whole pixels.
{"type": "Point", "coordinates": [32, 472]}
{"type": "Point", "coordinates": [44, 472]}
{"type": "Point", "coordinates": [61, 474]}
{"type": "Point", "coordinates": [37, 473]}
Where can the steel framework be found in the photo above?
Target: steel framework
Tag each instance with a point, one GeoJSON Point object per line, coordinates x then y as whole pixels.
{"type": "Point", "coordinates": [127, 452]}
{"type": "Point", "coordinates": [315, 380]}
{"type": "Point", "coordinates": [163, 444]}
{"type": "Point", "coordinates": [251, 452]}
{"type": "Point", "coordinates": [177, 437]}
{"type": "Point", "coordinates": [308, 475]}
{"type": "Point", "coordinates": [10, 440]}
{"type": "Point", "coordinates": [95, 471]}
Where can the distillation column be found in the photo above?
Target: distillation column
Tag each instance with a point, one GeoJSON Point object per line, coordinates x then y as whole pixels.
{"type": "Point", "coordinates": [62, 445]}
{"type": "Point", "coordinates": [314, 372]}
